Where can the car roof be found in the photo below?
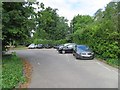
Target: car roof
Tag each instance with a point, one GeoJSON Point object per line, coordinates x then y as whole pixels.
{"type": "Point", "coordinates": [69, 44]}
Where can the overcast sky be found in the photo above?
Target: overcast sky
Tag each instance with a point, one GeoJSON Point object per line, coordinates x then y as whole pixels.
{"type": "Point", "coordinates": [70, 8]}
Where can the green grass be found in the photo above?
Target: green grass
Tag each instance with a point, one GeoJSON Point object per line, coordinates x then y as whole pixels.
{"type": "Point", "coordinates": [12, 71]}
{"type": "Point", "coordinates": [112, 62]}
{"type": "Point", "coordinates": [20, 48]}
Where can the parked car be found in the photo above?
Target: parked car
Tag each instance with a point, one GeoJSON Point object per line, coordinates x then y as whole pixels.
{"type": "Point", "coordinates": [66, 48]}
{"type": "Point", "coordinates": [47, 46]}
{"type": "Point", "coordinates": [83, 52]}
{"type": "Point", "coordinates": [60, 46]}
{"type": "Point", "coordinates": [56, 46]}
{"type": "Point", "coordinates": [31, 46]}
{"type": "Point", "coordinates": [39, 46]}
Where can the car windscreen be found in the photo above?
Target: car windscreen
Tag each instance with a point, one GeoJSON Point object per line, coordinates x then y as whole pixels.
{"type": "Point", "coordinates": [84, 48]}
{"type": "Point", "coordinates": [32, 45]}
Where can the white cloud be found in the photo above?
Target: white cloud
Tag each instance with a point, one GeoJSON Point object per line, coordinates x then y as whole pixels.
{"type": "Point", "coordinates": [70, 8]}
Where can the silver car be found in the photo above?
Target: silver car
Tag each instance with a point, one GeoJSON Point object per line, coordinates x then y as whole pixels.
{"type": "Point", "coordinates": [32, 46]}
{"type": "Point", "coordinates": [83, 52]}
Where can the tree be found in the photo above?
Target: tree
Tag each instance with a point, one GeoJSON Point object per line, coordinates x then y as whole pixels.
{"type": "Point", "coordinates": [102, 34]}
{"type": "Point", "coordinates": [0, 21]}
{"type": "Point", "coordinates": [78, 25]}
{"type": "Point", "coordinates": [17, 21]}
{"type": "Point", "coordinates": [80, 21]}
{"type": "Point", "coordinates": [50, 25]}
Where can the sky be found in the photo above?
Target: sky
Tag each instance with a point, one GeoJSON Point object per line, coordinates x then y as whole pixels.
{"type": "Point", "coordinates": [71, 8]}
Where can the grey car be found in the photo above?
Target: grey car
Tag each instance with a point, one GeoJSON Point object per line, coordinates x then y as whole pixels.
{"type": "Point", "coordinates": [83, 52]}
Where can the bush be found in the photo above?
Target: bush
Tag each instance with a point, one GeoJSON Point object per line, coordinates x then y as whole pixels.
{"type": "Point", "coordinates": [62, 41]}
{"type": "Point", "coordinates": [104, 47]}
{"type": "Point", "coordinates": [53, 42]}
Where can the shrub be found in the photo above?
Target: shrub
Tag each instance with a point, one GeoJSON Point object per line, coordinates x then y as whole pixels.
{"type": "Point", "coordinates": [53, 42]}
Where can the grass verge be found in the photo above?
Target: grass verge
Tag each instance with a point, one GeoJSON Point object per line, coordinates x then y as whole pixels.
{"type": "Point", "coordinates": [12, 71]}
{"type": "Point", "coordinates": [112, 62]}
{"type": "Point", "coordinates": [27, 73]}
{"type": "Point", "coordinates": [18, 48]}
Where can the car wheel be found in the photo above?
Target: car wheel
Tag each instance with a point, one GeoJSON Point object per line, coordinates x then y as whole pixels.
{"type": "Point", "coordinates": [63, 52]}
{"type": "Point", "coordinates": [73, 54]}
{"type": "Point", "coordinates": [76, 56]}
{"type": "Point", "coordinates": [59, 51]}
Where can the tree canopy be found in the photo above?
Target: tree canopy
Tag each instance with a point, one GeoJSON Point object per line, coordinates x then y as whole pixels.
{"type": "Point", "coordinates": [101, 32]}
{"type": "Point", "coordinates": [16, 25]}
{"type": "Point", "coordinates": [50, 25]}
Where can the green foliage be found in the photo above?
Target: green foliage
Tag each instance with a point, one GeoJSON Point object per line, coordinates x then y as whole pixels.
{"type": "Point", "coordinates": [62, 41]}
{"type": "Point", "coordinates": [102, 35]}
{"type": "Point", "coordinates": [42, 41]}
{"type": "Point", "coordinates": [12, 71]}
{"type": "Point", "coordinates": [113, 62]}
{"type": "Point", "coordinates": [50, 25]}
{"type": "Point", "coordinates": [20, 20]}
{"type": "Point", "coordinates": [79, 22]}
{"type": "Point", "coordinates": [16, 21]}
{"type": "Point", "coordinates": [53, 42]}
{"type": "Point", "coordinates": [0, 20]}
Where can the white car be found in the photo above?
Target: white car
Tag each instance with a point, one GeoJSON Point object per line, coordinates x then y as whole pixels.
{"type": "Point", "coordinates": [31, 46]}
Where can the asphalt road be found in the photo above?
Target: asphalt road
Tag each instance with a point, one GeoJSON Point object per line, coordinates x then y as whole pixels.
{"type": "Point", "coordinates": [54, 70]}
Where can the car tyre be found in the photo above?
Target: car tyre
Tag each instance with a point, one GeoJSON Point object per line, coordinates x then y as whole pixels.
{"type": "Point", "coordinates": [73, 54]}
{"type": "Point", "coordinates": [76, 56]}
{"type": "Point", "coordinates": [63, 52]}
{"type": "Point", "coordinates": [59, 52]}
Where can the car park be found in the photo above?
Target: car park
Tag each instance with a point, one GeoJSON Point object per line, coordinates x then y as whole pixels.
{"type": "Point", "coordinates": [39, 46]}
{"type": "Point", "coordinates": [32, 46]}
{"type": "Point", "coordinates": [56, 46]}
{"type": "Point", "coordinates": [83, 52]}
{"type": "Point", "coordinates": [47, 46]}
{"type": "Point", "coordinates": [66, 48]}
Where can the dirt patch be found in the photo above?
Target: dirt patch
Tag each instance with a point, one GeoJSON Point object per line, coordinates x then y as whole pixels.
{"type": "Point", "coordinates": [27, 73]}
